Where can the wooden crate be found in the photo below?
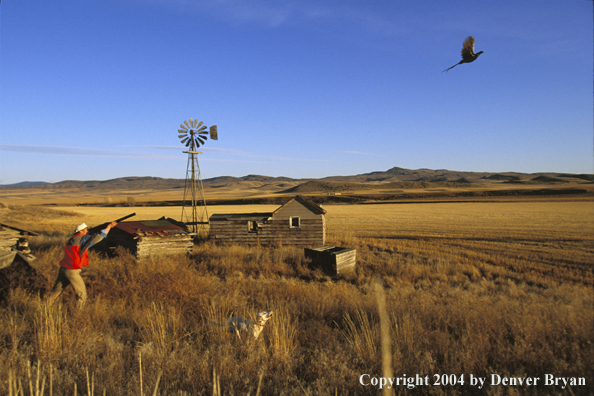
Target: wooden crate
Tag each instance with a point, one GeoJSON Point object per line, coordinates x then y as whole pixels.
{"type": "Point", "coordinates": [332, 259]}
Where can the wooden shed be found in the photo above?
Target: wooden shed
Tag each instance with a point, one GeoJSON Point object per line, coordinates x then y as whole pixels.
{"type": "Point", "coordinates": [150, 238]}
{"type": "Point", "coordinates": [13, 242]}
{"type": "Point", "coordinates": [299, 222]}
{"type": "Point", "coordinates": [16, 260]}
{"type": "Point", "coordinates": [332, 259]}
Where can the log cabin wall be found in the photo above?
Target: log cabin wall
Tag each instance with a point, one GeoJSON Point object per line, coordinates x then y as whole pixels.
{"type": "Point", "coordinates": [149, 238]}
{"type": "Point", "coordinates": [9, 236]}
{"type": "Point", "coordinates": [248, 228]}
{"type": "Point", "coordinates": [298, 222]}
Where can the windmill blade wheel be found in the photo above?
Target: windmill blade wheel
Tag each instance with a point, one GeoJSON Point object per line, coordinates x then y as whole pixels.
{"type": "Point", "coordinates": [195, 133]}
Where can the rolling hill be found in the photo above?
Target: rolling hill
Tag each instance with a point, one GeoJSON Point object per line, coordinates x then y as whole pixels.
{"type": "Point", "coordinates": [394, 178]}
{"type": "Point", "coordinates": [394, 183]}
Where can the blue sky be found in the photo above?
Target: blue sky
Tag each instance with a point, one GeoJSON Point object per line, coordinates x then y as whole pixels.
{"type": "Point", "coordinates": [95, 90]}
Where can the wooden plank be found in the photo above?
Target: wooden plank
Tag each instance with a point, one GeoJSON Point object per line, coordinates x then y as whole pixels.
{"type": "Point", "coordinates": [333, 260]}
{"type": "Point", "coordinates": [311, 232]}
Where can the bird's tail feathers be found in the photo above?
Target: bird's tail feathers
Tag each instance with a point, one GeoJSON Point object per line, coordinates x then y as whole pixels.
{"type": "Point", "coordinates": [446, 70]}
{"type": "Point", "coordinates": [215, 323]}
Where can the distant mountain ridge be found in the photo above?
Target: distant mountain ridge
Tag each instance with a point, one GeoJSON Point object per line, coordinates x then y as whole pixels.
{"type": "Point", "coordinates": [395, 177]}
{"type": "Point", "coordinates": [397, 174]}
{"type": "Point", "coordinates": [24, 184]}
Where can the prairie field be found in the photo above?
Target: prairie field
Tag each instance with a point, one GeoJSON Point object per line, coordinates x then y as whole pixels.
{"type": "Point", "coordinates": [488, 289]}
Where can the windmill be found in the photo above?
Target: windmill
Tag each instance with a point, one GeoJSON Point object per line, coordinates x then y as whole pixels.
{"type": "Point", "coordinates": [193, 134]}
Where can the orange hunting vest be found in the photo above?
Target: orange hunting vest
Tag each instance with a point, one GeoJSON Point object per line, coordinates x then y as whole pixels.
{"type": "Point", "coordinates": [72, 258]}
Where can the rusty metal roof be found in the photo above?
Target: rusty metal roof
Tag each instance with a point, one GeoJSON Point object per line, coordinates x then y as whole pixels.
{"type": "Point", "coordinates": [161, 228]}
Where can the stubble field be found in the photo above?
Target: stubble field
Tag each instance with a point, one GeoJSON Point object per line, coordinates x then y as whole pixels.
{"type": "Point", "coordinates": [499, 288]}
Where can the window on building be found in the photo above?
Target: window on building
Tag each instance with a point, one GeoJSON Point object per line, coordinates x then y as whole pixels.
{"type": "Point", "coordinates": [294, 222]}
{"type": "Point", "coordinates": [252, 226]}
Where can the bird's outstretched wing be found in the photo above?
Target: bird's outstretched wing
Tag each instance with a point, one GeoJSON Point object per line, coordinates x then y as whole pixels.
{"type": "Point", "coordinates": [468, 48]}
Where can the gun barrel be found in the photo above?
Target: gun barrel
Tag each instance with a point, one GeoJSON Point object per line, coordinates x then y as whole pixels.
{"type": "Point", "coordinates": [125, 217]}
{"type": "Point", "coordinates": [102, 226]}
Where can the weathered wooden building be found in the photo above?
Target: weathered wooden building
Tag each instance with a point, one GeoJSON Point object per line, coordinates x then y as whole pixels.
{"type": "Point", "coordinates": [332, 259]}
{"type": "Point", "coordinates": [16, 260]}
{"type": "Point", "coordinates": [149, 238]}
{"type": "Point", "coordinates": [13, 243]}
{"type": "Point", "coordinates": [299, 222]}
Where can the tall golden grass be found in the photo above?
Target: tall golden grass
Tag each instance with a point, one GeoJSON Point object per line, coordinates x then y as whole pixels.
{"type": "Point", "coordinates": [512, 297]}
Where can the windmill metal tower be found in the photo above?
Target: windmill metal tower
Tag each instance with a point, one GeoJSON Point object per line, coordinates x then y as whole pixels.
{"type": "Point", "coordinates": [194, 214]}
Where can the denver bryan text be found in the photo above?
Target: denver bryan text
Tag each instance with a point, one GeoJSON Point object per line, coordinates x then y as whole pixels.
{"type": "Point", "coordinates": [548, 380]}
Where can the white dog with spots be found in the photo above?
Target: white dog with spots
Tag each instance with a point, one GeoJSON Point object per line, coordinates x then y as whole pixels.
{"type": "Point", "coordinates": [239, 325]}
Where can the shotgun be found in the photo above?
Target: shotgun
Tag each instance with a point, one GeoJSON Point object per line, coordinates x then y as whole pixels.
{"type": "Point", "coordinates": [102, 226]}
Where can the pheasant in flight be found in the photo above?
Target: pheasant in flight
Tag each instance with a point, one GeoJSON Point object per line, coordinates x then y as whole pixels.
{"type": "Point", "coordinates": [468, 54]}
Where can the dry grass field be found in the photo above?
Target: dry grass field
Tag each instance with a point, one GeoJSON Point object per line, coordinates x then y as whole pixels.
{"type": "Point", "coordinates": [123, 191]}
{"type": "Point", "coordinates": [499, 288]}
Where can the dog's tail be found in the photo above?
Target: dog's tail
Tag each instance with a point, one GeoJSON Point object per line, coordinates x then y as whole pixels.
{"type": "Point", "coordinates": [215, 323]}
